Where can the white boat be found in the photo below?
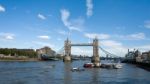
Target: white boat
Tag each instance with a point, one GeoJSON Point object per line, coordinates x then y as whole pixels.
{"type": "Point", "coordinates": [76, 69]}
{"type": "Point", "coordinates": [117, 66]}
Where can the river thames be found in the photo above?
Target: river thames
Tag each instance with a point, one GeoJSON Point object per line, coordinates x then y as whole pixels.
{"type": "Point", "coordinates": [42, 72]}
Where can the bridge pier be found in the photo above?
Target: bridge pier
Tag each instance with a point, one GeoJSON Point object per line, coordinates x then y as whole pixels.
{"type": "Point", "coordinates": [96, 59]}
{"type": "Point", "coordinates": [67, 58]}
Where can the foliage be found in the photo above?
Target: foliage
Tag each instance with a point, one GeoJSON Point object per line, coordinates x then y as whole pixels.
{"type": "Point", "coordinates": [18, 52]}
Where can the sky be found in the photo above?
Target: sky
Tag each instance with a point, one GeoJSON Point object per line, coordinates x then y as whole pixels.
{"type": "Point", "coordinates": [119, 24]}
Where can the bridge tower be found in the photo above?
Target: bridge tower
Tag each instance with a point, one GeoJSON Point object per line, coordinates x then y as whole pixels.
{"type": "Point", "coordinates": [67, 46]}
{"type": "Point", "coordinates": [96, 59]}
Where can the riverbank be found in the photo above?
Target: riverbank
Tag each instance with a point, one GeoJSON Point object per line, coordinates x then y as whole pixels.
{"type": "Point", "coordinates": [27, 59]}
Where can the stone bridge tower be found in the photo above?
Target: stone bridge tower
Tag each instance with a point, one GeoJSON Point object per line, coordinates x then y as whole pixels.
{"type": "Point", "coordinates": [96, 59]}
{"type": "Point", "coordinates": [67, 46]}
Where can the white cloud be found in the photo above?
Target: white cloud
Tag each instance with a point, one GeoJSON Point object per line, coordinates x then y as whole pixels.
{"type": "Point", "coordinates": [74, 25]}
{"type": "Point", "coordinates": [136, 36]}
{"type": "Point", "coordinates": [77, 24]}
{"type": "Point", "coordinates": [119, 49]}
{"type": "Point", "coordinates": [41, 16]}
{"type": "Point", "coordinates": [44, 37]}
{"type": "Point", "coordinates": [7, 36]}
{"type": "Point", "coordinates": [143, 48]}
{"type": "Point", "coordinates": [89, 6]}
{"type": "Point", "coordinates": [65, 16]}
{"type": "Point", "coordinates": [147, 24]}
{"type": "Point", "coordinates": [114, 47]}
{"type": "Point", "coordinates": [62, 32]}
{"type": "Point", "coordinates": [100, 36]}
{"type": "Point", "coordinates": [42, 44]}
{"type": "Point", "coordinates": [110, 43]}
{"type": "Point", "coordinates": [82, 51]}
{"type": "Point", "coordinates": [2, 9]}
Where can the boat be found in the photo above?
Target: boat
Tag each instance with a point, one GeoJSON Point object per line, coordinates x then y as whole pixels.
{"type": "Point", "coordinates": [54, 59]}
{"type": "Point", "coordinates": [107, 66]}
{"type": "Point", "coordinates": [46, 57]}
{"type": "Point", "coordinates": [75, 58]}
{"type": "Point", "coordinates": [76, 69]}
{"type": "Point", "coordinates": [117, 66]}
{"type": "Point", "coordinates": [52, 66]}
{"type": "Point", "coordinates": [88, 65]}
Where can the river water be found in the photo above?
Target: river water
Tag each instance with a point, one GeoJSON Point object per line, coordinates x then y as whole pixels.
{"type": "Point", "coordinates": [43, 72]}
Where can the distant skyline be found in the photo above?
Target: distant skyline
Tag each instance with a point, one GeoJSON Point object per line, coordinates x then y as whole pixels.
{"type": "Point", "coordinates": [119, 24]}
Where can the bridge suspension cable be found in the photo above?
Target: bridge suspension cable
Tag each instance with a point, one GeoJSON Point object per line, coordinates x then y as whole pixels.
{"type": "Point", "coordinates": [60, 51]}
{"type": "Point", "coordinates": [108, 53]}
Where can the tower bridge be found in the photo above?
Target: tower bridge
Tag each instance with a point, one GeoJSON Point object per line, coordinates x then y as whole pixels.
{"type": "Point", "coordinates": [95, 44]}
{"type": "Point", "coordinates": [66, 50]}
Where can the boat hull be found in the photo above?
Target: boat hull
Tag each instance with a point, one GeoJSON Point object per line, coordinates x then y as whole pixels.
{"type": "Point", "coordinates": [46, 58]}
{"type": "Point", "coordinates": [88, 65]}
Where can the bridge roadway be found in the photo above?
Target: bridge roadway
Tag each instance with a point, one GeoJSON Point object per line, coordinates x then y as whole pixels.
{"type": "Point", "coordinates": [83, 44]}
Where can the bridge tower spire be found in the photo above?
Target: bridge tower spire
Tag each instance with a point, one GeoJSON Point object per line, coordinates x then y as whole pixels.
{"type": "Point", "coordinates": [67, 46]}
{"type": "Point", "coordinates": [96, 59]}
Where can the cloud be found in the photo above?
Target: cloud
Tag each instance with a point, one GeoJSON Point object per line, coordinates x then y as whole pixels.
{"type": "Point", "coordinates": [89, 6]}
{"type": "Point", "coordinates": [110, 43]}
{"type": "Point", "coordinates": [147, 24]}
{"type": "Point", "coordinates": [100, 36]}
{"type": "Point", "coordinates": [73, 24]}
{"type": "Point", "coordinates": [7, 36]}
{"type": "Point", "coordinates": [42, 44]}
{"type": "Point", "coordinates": [41, 16]}
{"type": "Point", "coordinates": [62, 32]}
{"type": "Point", "coordinates": [136, 36]}
{"type": "Point", "coordinates": [82, 51]}
{"type": "Point", "coordinates": [143, 48]}
{"type": "Point", "coordinates": [2, 9]}
{"type": "Point", "coordinates": [114, 47]}
{"type": "Point", "coordinates": [64, 17]}
{"type": "Point", "coordinates": [119, 49]}
{"type": "Point", "coordinates": [44, 37]}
